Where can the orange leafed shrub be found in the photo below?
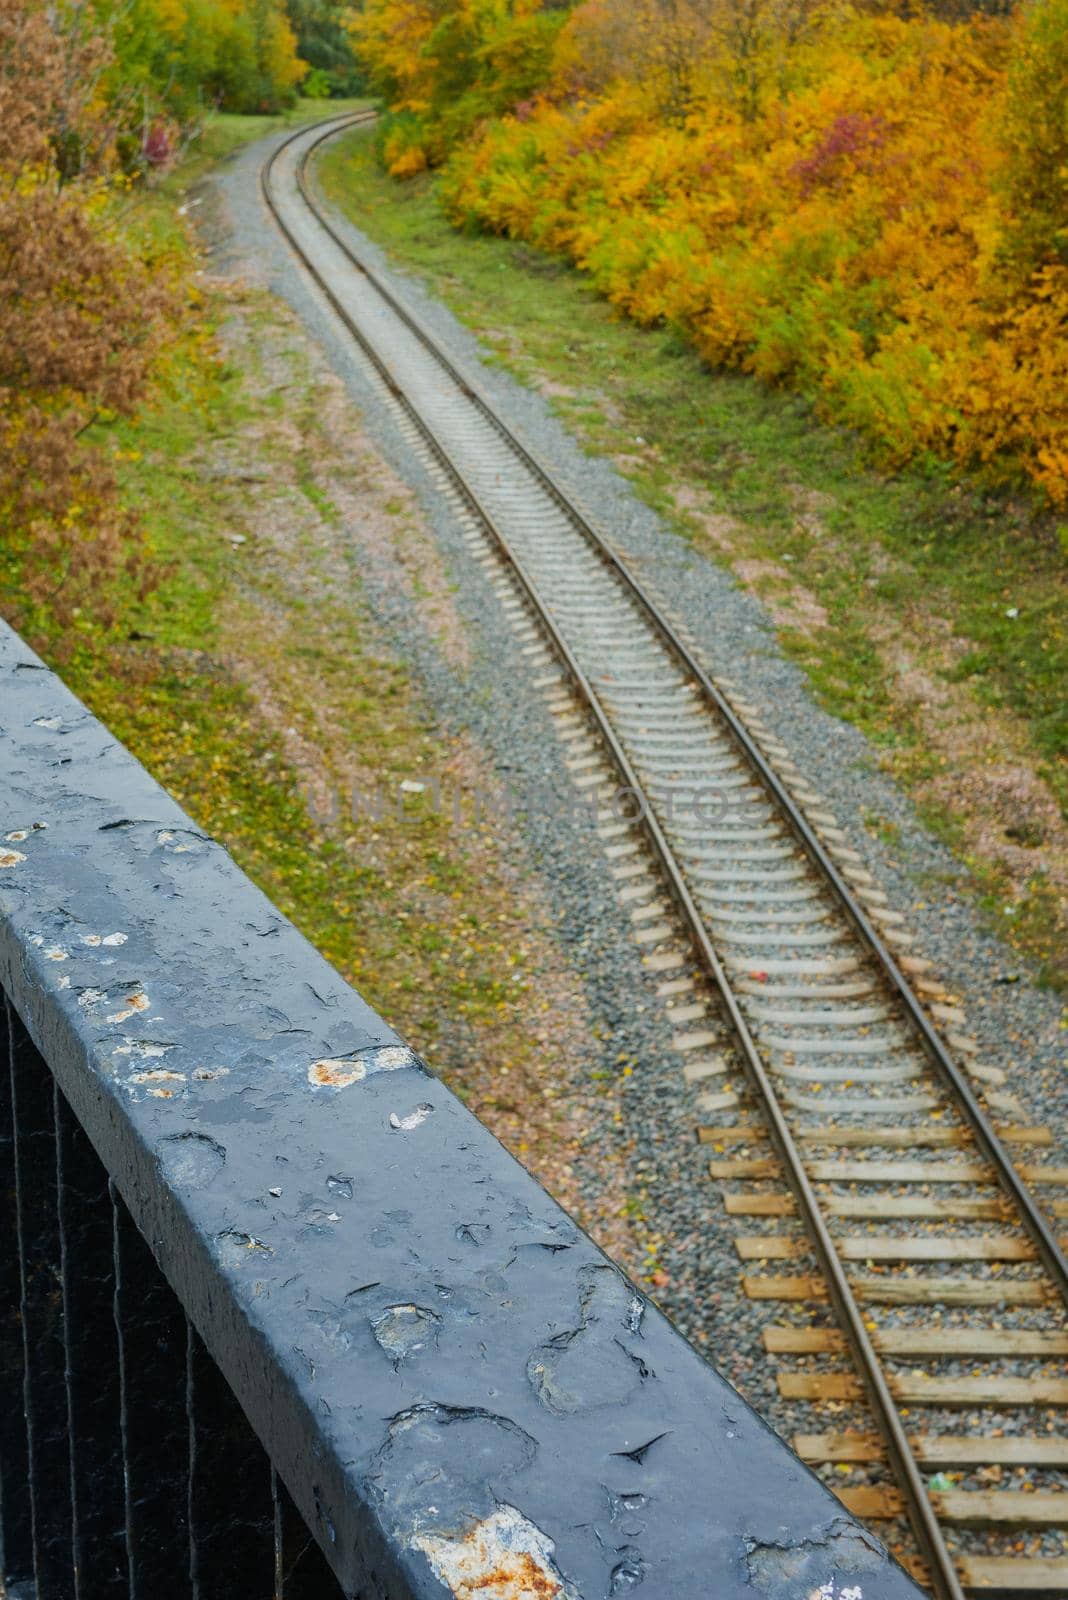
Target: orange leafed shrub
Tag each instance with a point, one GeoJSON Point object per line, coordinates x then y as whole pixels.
{"type": "Point", "coordinates": [871, 209]}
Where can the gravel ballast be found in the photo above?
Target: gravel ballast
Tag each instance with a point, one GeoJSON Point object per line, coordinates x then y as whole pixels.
{"type": "Point", "coordinates": [693, 1269]}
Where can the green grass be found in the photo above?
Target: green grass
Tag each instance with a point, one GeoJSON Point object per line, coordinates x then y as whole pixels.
{"type": "Point", "coordinates": [916, 545]}
{"type": "Point", "coordinates": [151, 215]}
{"type": "Point", "coordinates": [413, 930]}
{"type": "Point", "coordinates": [224, 133]}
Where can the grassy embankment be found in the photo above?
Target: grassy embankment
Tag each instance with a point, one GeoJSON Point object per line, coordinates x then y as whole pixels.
{"type": "Point", "coordinates": [931, 614]}
{"type": "Point", "coordinates": [255, 674]}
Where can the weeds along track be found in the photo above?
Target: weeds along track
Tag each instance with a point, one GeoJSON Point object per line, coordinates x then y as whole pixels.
{"type": "Point", "coordinates": [911, 1276]}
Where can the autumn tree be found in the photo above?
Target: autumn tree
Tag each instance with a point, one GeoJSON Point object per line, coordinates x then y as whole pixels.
{"type": "Point", "coordinates": [79, 316]}
{"type": "Point", "coordinates": [681, 51]}
{"type": "Point", "coordinates": [324, 41]}
{"type": "Point", "coordinates": [446, 65]}
{"type": "Point", "coordinates": [189, 56]}
{"type": "Point", "coordinates": [1035, 138]}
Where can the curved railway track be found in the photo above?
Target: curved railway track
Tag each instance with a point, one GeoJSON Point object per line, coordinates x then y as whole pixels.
{"type": "Point", "coordinates": [852, 1123]}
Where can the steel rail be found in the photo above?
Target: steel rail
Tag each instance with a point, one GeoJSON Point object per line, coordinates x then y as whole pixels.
{"type": "Point", "coordinates": [921, 1515]}
{"type": "Point", "coordinates": [1023, 1201]}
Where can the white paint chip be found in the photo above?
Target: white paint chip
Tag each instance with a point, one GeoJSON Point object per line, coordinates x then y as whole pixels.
{"type": "Point", "coordinates": [412, 1120]}
{"type": "Point", "coordinates": [393, 1056]}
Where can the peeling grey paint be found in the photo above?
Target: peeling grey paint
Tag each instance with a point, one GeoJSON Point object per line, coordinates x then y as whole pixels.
{"type": "Point", "coordinates": [190, 1160]}
{"type": "Point", "coordinates": [444, 1370]}
{"type": "Point", "coordinates": [826, 1565]}
{"type": "Point", "coordinates": [597, 1362]}
{"type": "Point", "coordinates": [406, 1331]}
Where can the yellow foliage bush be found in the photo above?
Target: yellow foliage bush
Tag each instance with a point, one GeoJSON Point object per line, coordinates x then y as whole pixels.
{"type": "Point", "coordinates": [870, 209]}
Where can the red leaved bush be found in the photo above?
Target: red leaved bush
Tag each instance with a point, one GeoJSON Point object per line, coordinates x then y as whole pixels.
{"type": "Point", "coordinates": [844, 148]}
{"type": "Point", "coordinates": [80, 320]}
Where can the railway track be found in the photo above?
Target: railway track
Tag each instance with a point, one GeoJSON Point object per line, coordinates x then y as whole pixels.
{"type": "Point", "coordinates": [911, 1274]}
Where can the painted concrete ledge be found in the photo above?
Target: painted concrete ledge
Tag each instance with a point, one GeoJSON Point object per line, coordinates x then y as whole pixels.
{"type": "Point", "coordinates": [461, 1393]}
